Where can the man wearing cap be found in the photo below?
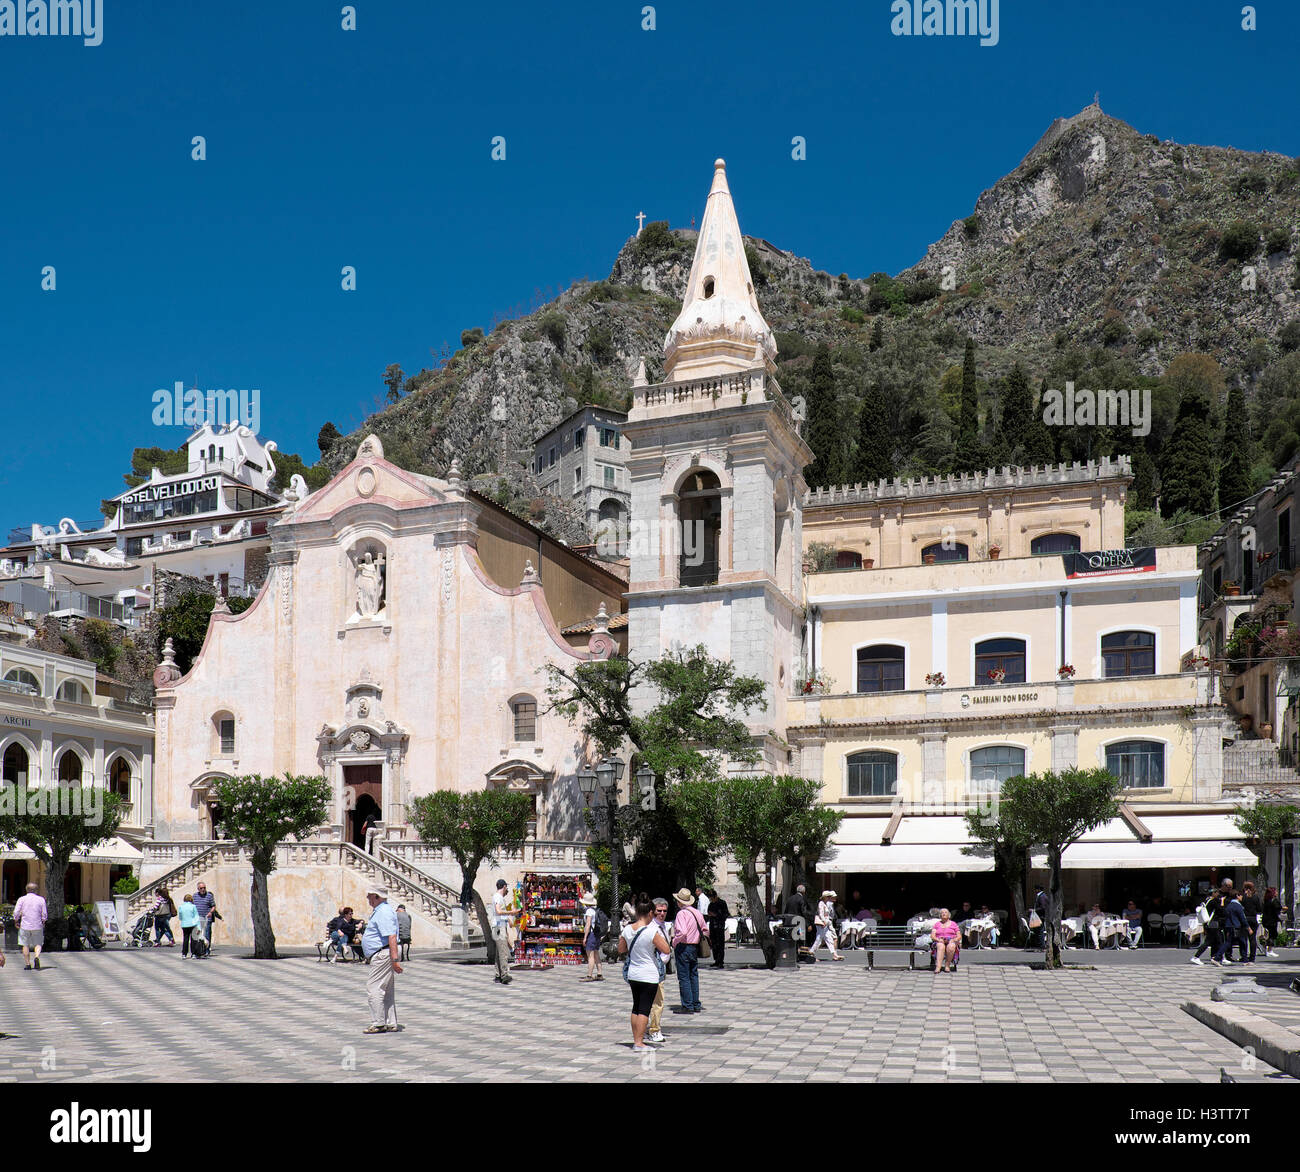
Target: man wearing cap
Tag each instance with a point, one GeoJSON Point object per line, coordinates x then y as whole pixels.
{"type": "Point", "coordinates": [688, 927]}
{"type": "Point", "coordinates": [379, 943]}
{"type": "Point", "coordinates": [501, 931]}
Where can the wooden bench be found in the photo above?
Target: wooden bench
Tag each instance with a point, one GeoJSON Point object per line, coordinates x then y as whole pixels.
{"type": "Point", "coordinates": [892, 938]}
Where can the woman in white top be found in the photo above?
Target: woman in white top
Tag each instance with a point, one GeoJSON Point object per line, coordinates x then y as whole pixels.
{"type": "Point", "coordinates": [639, 942]}
{"type": "Point", "coordinates": [825, 922]}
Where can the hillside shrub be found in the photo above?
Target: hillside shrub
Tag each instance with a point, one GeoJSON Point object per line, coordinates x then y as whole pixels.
{"type": "Point", "coordinates": [1253, 182]}
{"type": "Point", "coordinates": [600, 345]}
{"type": "Point", "coordinates": [1288, 337]}
{"type": "Point", "coordinates": [848, 313]}
{"type": "Point", "coordinates": [971, 225]}
{"type": "Point", "coordinates": [1240, 240]}
{"type": "Point", "coordinates": [553, 326]}
{"type": "Point", "coordinates": [656, 241]}
{"type": "Point", "coordinates": [1277, 240]}
{"type": "Point", "coordinates": [1114, 332]}
{"type": "Point", "coordinates": [472, 337]}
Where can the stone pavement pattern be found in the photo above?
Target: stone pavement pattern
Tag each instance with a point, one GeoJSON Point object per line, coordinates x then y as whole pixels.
{"type": "Point", "coordinates": [148, 1015]}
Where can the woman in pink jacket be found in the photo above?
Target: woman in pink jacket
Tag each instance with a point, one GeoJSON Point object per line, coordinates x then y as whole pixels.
{"type": "Point", "coordinates": [945, 935]}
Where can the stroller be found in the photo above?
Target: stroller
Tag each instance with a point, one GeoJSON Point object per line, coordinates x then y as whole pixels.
{"type": "Point", "coordinates": [141, 931]}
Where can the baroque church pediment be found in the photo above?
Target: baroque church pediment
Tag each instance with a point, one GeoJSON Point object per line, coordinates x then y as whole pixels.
{"type": "Point", "coordinates": [370, 478]}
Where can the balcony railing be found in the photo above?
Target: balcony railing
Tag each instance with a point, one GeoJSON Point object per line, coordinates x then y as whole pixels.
{"type": "Point", "coordinates": [699, 574]}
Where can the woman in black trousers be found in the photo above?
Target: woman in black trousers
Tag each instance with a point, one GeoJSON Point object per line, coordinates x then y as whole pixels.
{"type": "Point", "coordinates": [1250, 905]}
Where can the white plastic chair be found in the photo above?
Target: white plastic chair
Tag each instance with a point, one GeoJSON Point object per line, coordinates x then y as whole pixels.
{"type": "Point", "coordinates": [1171, 923]}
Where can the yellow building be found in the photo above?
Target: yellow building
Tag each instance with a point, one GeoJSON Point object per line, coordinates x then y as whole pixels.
{"type": "Point", "coordinates": [945, 668]}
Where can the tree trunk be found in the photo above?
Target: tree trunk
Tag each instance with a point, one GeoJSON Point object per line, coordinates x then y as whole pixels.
{"type": "Point", "coordinates": [260, 907]}
{"type": "Point", "coordinates": [1052, 928]}
{"type": "Point", "coordinates": [758, 913]}
{"type": "Point", "coordinates": [481, 909]}
{"type": "Point", "coordinates": [56, 930]}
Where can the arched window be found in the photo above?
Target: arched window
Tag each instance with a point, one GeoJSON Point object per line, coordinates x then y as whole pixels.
{"type": "Point", "coordinates": [872, 774]}
{"type": "Point", "coordinates": [1007, 655]}
{"type": "Point", "coordinates": [24, 681]}
{"type": "Point", "coordinates": [848, 559]}
{"type": "Point", "coordinates": [223, 734]}
{"type": "Point", "coordinates": [74, 692]}
{"type": "Point", "coordinates": [954, 552]}
{"type": "Point", "coordinates": [1138, 764]}
{"type": "Point", "coordinates": [881, 668]}
{"type": "Point", "coordinates": [524, 713]}
{"type": "Point", "coordinates": [119, 778]}
{"type": "Point", "coordinates": [70, 767]}
{"type": "Point", "coordinates": [1129, 653]}
{"type": "Point", "coordinates": [991, 766]}
{"type": "Point", "coordinates": [699, 505]}
{"type": "Point", "coordinates": [611, 529]}
{"type": "Point", "coordinates": [16, 763]}
{"type": "Point", "coordinates": [1055, 543]}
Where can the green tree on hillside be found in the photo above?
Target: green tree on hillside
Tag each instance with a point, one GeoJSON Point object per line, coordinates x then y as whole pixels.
{"type": "Point", "coordinates": [1187, 474]}
{"type": "Point", "coordinates": [969, 455]}
{"type": "Point", "coordinates": [825, 430]}
{"type": "Point", "coordinates": [874, 458]}
{"type": "Point", "coordinates": [1234, 453]}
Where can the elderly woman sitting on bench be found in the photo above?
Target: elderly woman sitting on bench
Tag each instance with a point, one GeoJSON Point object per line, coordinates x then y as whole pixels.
{"type": "Point", "coordinates": [946, 935]}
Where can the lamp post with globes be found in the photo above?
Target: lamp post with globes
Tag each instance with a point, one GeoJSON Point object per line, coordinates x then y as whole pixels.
{"type": "Point", "coordinates": [606, 777]}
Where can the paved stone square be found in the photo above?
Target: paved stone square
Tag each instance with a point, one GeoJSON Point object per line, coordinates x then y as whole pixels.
{"type": "Point", "coordinates": [149, 1016]}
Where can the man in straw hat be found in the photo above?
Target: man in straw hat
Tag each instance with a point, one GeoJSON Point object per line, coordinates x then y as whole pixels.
{"type": "Point", "coordinates": [688, 928]}
{"type": "Point", "coordinates": [379, 943]}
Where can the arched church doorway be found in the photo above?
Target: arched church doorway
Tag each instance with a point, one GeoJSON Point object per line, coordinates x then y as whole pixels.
{"type": "Point", "coordinates": [363, 791]}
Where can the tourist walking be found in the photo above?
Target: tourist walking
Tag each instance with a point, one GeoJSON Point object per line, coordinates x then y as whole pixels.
{"type": "Point", "coordinates": [163, 910]}
{"type": "Point", "coordinates": [1251, 908]}
{"type": "Point", "coordinates": [189, 921]}
{"type": "Point", "coordinates": [1216, 913]}
{"type": "Point", "coordinates": [591, 935]}
{"type": "Point", "coordinates": [654, 1032]}
{"type": "Point", "coordinates": [31, 914]}
{"type": "Point", "coordinates": [379, 943]}
{"type": "Point", "coordinates": [796, 905]}
{"type": "Point", "coordinates": [825, 923]}
{"type": "Point", "coordinates": [1270, 917]}
{"type": "Point", "coordinates": [702, 898]}
{"type": "Point", "coordinates": [1042, 905]}
{"type": "Point", "coordinates": [688, 928]}
{"type": "Point", "coordinates": [946, 935]}
{"type": "Point", "coordinates": [404, 932]}
{"type": "Point", "coordinates": [501, 931]}
{"type": "Point", "coordinates": [206, 903]}
{"type": "Point", "coordinates": [642, 944]}
{"type": "Point", "coordinates": [1234, 930]}
{"type": "Point", "coordinates": [718, 915]}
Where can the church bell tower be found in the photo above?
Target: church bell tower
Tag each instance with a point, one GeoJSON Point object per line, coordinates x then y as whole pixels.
{"type": "Point", "coordinates": [716, 470]}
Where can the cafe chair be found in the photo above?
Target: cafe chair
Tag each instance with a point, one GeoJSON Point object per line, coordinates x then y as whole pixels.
{"type": "Point", "coordinates": [1155, 925]}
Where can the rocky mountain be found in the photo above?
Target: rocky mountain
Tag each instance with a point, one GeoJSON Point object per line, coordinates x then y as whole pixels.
{"type": "Point", "coordinates": [1105, 255]}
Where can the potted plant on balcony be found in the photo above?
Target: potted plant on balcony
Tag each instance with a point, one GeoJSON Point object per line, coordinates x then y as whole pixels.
{"type": "Point", "coordinates": [868, 563]}
{"type": "Point", "coordinates": [995, 551]}
{"type": "Point", "coordinates": [1231, 589]}
{"type": "Point", "coordinates": [929, 559]}
{"type": "Point", "coordinates": [817, 683]}
{"type": "Point", "coordinates": [997, 675]}
{"type": "Point", "coordinates": [1065, 671]}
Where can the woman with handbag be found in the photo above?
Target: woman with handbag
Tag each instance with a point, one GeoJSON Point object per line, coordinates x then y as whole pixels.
{"type": "Point", "coordinates": [163, 910]}
{"type": "Point", "coordinates": [641, 945]}
{"type": "Point", "coordinates": [825, 923]}
{"type": "Point", "coordinates": [1269, 918]}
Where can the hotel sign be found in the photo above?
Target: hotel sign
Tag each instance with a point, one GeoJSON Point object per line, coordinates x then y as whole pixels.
{"type": "Point", "coordinates": [160, 492]}
{"type": "Point", "coordinates": [1110, 561]}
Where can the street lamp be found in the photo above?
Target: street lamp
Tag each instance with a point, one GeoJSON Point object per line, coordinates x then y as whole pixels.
{"type": "Point", "coordinates": [587, 782]}
{"type": "Point", "coordinates": [645, 778]}
{"type": "Point", "coordinates": [608, 774]}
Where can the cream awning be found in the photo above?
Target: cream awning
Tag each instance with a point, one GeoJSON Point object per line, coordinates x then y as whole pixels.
{"type": "Point", "coordinates": [113, 851]}
{"type": "Point", "coordinates": [1177, 840]}
{"type": "Point", "coordinates": [920, 843]}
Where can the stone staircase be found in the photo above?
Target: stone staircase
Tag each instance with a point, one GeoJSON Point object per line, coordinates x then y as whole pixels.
{"type": "Point", "coordinates": [1255, 765]}
{"type": "Point", "coordinates": [435, 900]}
{"type": "Point", "coordinates": [201, 861]}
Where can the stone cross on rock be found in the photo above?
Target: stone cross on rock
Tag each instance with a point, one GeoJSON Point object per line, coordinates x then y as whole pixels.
{"type": "Point", "coordinates": [640, 222]}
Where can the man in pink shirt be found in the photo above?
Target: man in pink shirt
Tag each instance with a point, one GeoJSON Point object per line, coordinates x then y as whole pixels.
{"type": "Point", "coordinates": [31, 913]}
{"type": "Point", "coordinates": [688, 927]}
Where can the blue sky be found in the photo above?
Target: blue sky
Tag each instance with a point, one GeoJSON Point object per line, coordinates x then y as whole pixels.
{"type": "Point", "coordinates": [372, 148]}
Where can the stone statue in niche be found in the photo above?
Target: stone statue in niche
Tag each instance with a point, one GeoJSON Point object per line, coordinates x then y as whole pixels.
{"type": "Point", "coordinates": [363, 709]}
{"type": "Point", "coordinates": [370, 585]}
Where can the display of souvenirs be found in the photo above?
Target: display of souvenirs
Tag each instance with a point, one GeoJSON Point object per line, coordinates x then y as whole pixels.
{"type": "Point", "coordinates": [551, 922]}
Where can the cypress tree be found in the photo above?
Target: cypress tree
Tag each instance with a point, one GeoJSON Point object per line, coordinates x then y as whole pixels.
{"type": "Point", "coordinates": [1187, 473]}
{"type": "Point", "coordinates": [825, 429]}
{"type": "Point", "coordinates": [1234, 453]}
{"type": "Point", "coordinates": [934, 446]}
{"type": "Point", "coordinates": [1143, 492]}
{"type": "Point", "coordinates": [968, 430]}
{"type": "Point", "coordinates": [1040, 444]}
{"type": "Point", "coordinates": [1017, 414]}
{"type": "Point", "coordinates": [877, 335]}
{"type": "Point", "coordinates": [873, 459]}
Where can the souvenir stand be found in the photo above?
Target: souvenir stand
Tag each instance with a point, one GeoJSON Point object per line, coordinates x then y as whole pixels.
{"type": "Point", "coordinates": [550, 923]}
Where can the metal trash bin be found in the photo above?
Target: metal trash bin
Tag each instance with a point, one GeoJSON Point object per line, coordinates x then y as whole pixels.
{"type": "Point", "coordinates": [789, 937]}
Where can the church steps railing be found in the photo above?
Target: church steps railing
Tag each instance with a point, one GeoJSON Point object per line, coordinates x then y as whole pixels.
{"type": "Point", "coordinates": [194, 856]}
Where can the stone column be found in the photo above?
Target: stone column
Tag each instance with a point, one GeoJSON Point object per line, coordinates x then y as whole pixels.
{"type": "Point", "coordinates": [1207, 759]}
{"type": "Point", "coordinates": [1065, 746]}
{"type": "Point", "coordinates": [934, 766]}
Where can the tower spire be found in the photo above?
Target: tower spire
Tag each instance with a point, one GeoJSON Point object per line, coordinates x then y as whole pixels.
{"type": "Point", "coordinates": [720, 329]}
